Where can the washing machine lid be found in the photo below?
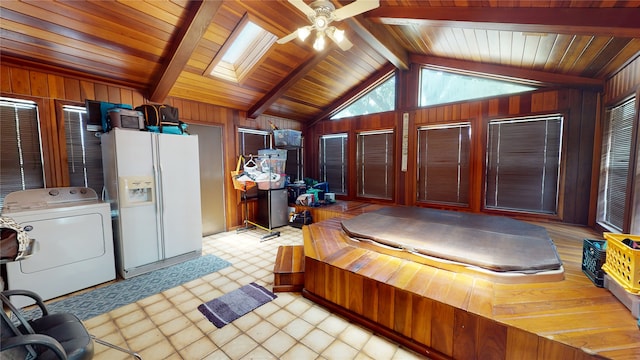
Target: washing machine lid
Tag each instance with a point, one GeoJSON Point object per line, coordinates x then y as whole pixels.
{"type": "Point", "coordinates": [48, 198]}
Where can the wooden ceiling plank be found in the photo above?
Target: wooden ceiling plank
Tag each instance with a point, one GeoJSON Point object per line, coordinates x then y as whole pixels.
{"type": "Point", "coordinates": [509, 72]}
{"type": "Point", "coordinates": [54, 28]}
{"type": "Point", "coordinates": [300, 72]}
{"type": "Point", "coordinates": [578, 21]}
{"type": "Point", "coordinates": [197, 21]}
{"type": "Point", "coordinates": [354, 93]}
{"type": "Point", "coordinates": [609, 52]}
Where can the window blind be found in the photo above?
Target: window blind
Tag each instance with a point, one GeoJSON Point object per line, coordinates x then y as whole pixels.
{"type": "Point", "coordinates": [616, 154]}
{"type": "Point", "coordinates": [21, 155]}
{"type": "Point", "coordinates": [523, 164]}
{"type": "Point", "coordinates": [375, 164]}
{"type": "Point", "coordinates": [84, 154]}
{"type": "Point", "coordinates": [333, 162]}
{"type": "Point", "coordinates": [443, 163]}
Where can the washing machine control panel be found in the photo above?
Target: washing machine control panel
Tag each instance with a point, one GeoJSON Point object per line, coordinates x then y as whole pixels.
{"type": "Point", "coordinates": [48, 198]}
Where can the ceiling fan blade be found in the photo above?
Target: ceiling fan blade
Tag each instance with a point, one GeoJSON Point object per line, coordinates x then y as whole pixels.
{"type": "Point", "coordinates": [287, 38]}
{"type": "Point", "coordinates": [355, 8]}
{"type": "Point", "coordinates": [302, 6]}
{"type": "Point", "coordinates": [344, 44]}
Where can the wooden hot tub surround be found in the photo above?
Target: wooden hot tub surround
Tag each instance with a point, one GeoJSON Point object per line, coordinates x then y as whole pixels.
{"type": "Point", "coordinates": [444, 314]}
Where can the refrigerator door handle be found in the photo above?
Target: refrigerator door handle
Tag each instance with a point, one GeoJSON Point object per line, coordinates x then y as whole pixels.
{"type": "Point", "coordinates": [157, 170]}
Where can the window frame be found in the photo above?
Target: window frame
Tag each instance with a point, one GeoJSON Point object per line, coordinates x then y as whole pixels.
{"type": "Point", "coordinates": [343, 189]}
{"type": "Point", "coordinates": [389, 165]}
{"type": "Point", "coordinates": [472, 75]}
{"type": "Point", "coordinates": [376, 85]}
{"type": "Point", "coordinates": [556, 213]}
{"type": "Point", "coordinates": [93, 176]}
{"type": "Point", "coordinates": [459, 166]}
{"type": "Point", "coordinates": [43, 180]}
{"type": "Point", "coordinates": [603, 181]}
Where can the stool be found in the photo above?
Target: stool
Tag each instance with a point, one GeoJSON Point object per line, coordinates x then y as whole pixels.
{"type": "Point", "coordinates": [288, 270]}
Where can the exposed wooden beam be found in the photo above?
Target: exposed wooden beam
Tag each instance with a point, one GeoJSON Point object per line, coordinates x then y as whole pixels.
{"type": "Point", "coordinates": [277, 91]}
{"type": "Point", "coordinates": [533, 77]}
{"type": "Point", "coordinates": [196, 22]}
{"type": "Point", "coordinates": [381, 42]}
{"type": "Point", "coordinates": [355, 93]}
{"type": "Point", "coordinates": [378, 39]}
{"type": "Point", "coordinates": [582, 21]}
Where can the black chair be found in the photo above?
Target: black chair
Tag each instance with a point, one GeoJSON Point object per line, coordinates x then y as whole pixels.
{"type": "Point", "coordinates": [51, 336]}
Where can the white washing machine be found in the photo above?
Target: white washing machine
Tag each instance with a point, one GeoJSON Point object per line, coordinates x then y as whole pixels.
{"type": "Point", "coordinates": [74, 251]}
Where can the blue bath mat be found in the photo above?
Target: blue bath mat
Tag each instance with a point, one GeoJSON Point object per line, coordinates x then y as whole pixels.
{"type": "Point", "coordinates": [124, 292]}
{"type": "Point", "coordinates": [233, 305]}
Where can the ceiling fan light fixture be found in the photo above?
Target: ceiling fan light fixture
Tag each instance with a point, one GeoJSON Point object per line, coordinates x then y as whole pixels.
{"type": "Point", "coordinates": [321, 14]}
{"type": "Point", "coordinates": [303, 33]}
{"type": "Point", "coordinates": [338, 35]}
{"type": "Point", "coordinates": [319, 43]}
{"type": "Point", "coordinates": [321, 22]}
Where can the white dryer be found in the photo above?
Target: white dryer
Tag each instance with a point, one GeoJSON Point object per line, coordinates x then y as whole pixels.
{"type": "Point", "coordinates": [72, 229]}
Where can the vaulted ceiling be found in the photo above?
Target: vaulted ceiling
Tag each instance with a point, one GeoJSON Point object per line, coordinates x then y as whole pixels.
{"type": "Point", "coordinates": [164, 48]}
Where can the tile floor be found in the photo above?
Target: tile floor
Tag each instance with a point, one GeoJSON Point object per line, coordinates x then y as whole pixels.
{"type": "Point", "coordinates": [169, 326]}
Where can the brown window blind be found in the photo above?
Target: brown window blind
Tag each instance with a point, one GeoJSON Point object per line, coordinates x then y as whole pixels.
{"type": "Point", "coordinates": [615, 165]}
{"type": "Point", "coordinates": [333, 162]}
{"type": "Point", "coordinates": [523, 164]}
{"type": "Point", "coordinates": [375, 164]}
{"type": "Point", "coordinates": [84, 155]}
{"type": "Point", "coordinates": [443, 163]}
{"type": "Point", "coordinates": [20, 152]}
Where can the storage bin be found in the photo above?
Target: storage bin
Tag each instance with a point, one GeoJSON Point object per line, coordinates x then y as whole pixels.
{"type": "Point", "coordinates": [287, 138]}
{"type": "Point", "coordinates": [623, 262]}
{"type": "Point", "coordinates": [593, 257]}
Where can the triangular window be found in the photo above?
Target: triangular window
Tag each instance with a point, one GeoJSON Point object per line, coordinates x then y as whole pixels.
{"type": "Point", "coordinates": [439, 87]}
{"type": "Point", "coordinates": [379, 99]}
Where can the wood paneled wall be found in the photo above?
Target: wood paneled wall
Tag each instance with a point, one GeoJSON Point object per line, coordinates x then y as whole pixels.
{"type": "Point", "coordinates": [49, 88]}
{"type": "Point", "coordinates": [579, 108]}
{"type": "Point", "coordinates": [623, 83]}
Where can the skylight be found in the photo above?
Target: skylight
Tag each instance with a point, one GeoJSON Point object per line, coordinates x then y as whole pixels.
{"type": "Point", "coordinates": [241, 51]}
{"type": "Point", "coordinates": [250, 32]}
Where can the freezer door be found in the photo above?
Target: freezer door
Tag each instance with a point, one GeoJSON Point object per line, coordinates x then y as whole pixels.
{"type": "Point", "coordinates": [179, 195]}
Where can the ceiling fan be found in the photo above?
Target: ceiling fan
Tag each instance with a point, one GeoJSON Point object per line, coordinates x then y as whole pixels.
{"type": "Point", "coordinates": [322, 13]}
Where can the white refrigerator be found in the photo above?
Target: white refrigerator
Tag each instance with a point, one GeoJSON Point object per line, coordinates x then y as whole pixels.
{"type": "Point", "coordinates": [152, 182]}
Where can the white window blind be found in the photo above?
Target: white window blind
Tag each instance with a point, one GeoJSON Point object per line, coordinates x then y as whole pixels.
{"type": "Point", "coordinates": [20, 151]}
{"type": "Point", "coordinates": [616, 154]}
{"type": "Point", "coordinates": [375, 164]}
{"type": "Point", "coordinates": [333, 162]}
{"type": "Point", "coordinates": [523, 164]}
{"type": "Point", "coordinates": [443, 163]}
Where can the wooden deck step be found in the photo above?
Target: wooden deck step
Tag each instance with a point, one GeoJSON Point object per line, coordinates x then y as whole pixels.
{"type": "Point", "coordinates": [288, 270]}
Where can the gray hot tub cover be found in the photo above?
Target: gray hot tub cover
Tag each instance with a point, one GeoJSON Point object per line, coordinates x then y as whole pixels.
{"type": "Point", "coordinates": [491, 242]}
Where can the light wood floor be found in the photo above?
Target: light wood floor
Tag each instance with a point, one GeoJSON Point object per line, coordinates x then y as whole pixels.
{"type": "Point", "coordinates": [452, 315]}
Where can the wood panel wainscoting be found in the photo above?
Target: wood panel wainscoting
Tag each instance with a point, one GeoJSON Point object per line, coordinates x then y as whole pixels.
{"type": "Point", "coordinates": [444, 315]}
